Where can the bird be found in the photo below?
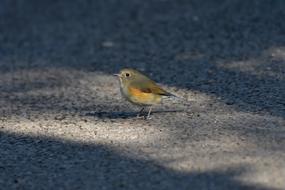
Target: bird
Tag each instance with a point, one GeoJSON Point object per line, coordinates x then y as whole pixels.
{"type": "Point", "coordinates": [140, 90]}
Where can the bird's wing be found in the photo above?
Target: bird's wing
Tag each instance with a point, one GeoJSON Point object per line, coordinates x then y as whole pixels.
{"type": "Point", "coordinates": [150, 86]}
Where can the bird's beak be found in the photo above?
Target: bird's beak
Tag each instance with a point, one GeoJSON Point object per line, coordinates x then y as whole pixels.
{"type": "Point", "coordinates": [116, 75]}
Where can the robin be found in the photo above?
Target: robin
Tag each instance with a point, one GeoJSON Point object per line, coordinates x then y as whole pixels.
{"type": "Point", "coordinates": [140, 90]}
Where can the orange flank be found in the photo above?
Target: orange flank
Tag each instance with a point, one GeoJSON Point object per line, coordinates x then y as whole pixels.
{"type": "Point", "coordinates": [142, 97]}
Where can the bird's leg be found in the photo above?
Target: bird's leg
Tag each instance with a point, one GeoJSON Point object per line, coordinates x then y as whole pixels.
{"type": "Point", "coordinates": [148, 115]}
{"type": "Point", "coordinates": [138, 115]}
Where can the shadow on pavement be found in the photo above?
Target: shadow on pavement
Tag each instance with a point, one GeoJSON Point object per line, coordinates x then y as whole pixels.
{"type": "Point", "coordinates": [178, 43]}
{"type": "Point", "coordinates": [45, 163]}
{"type": "Point", "coordinates": [126, 115]}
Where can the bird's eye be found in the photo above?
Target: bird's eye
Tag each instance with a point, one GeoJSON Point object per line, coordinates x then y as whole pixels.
{"type": "Point", "coordinates": [127, 74]}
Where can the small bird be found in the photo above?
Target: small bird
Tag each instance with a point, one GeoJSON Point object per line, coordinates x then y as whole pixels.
{"type": "Point", "coordinates": [140, 90]}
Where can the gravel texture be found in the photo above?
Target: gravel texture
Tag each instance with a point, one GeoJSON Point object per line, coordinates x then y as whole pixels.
{"type": "Point", "coordinates": [64, 125]}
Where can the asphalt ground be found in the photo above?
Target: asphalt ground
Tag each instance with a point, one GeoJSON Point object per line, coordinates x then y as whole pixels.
{"type": "Point", "coordinates": [64, 124]}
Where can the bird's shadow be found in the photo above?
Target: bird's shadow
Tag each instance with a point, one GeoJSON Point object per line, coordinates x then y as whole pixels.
{"type": "Point", "coordinates": [127, 115]}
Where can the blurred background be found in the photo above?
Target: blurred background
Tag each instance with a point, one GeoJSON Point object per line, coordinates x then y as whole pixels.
{"type": "Point", "coordinates": [211, 47]}
{"type": "Point", "coordinates": [57, 92]}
